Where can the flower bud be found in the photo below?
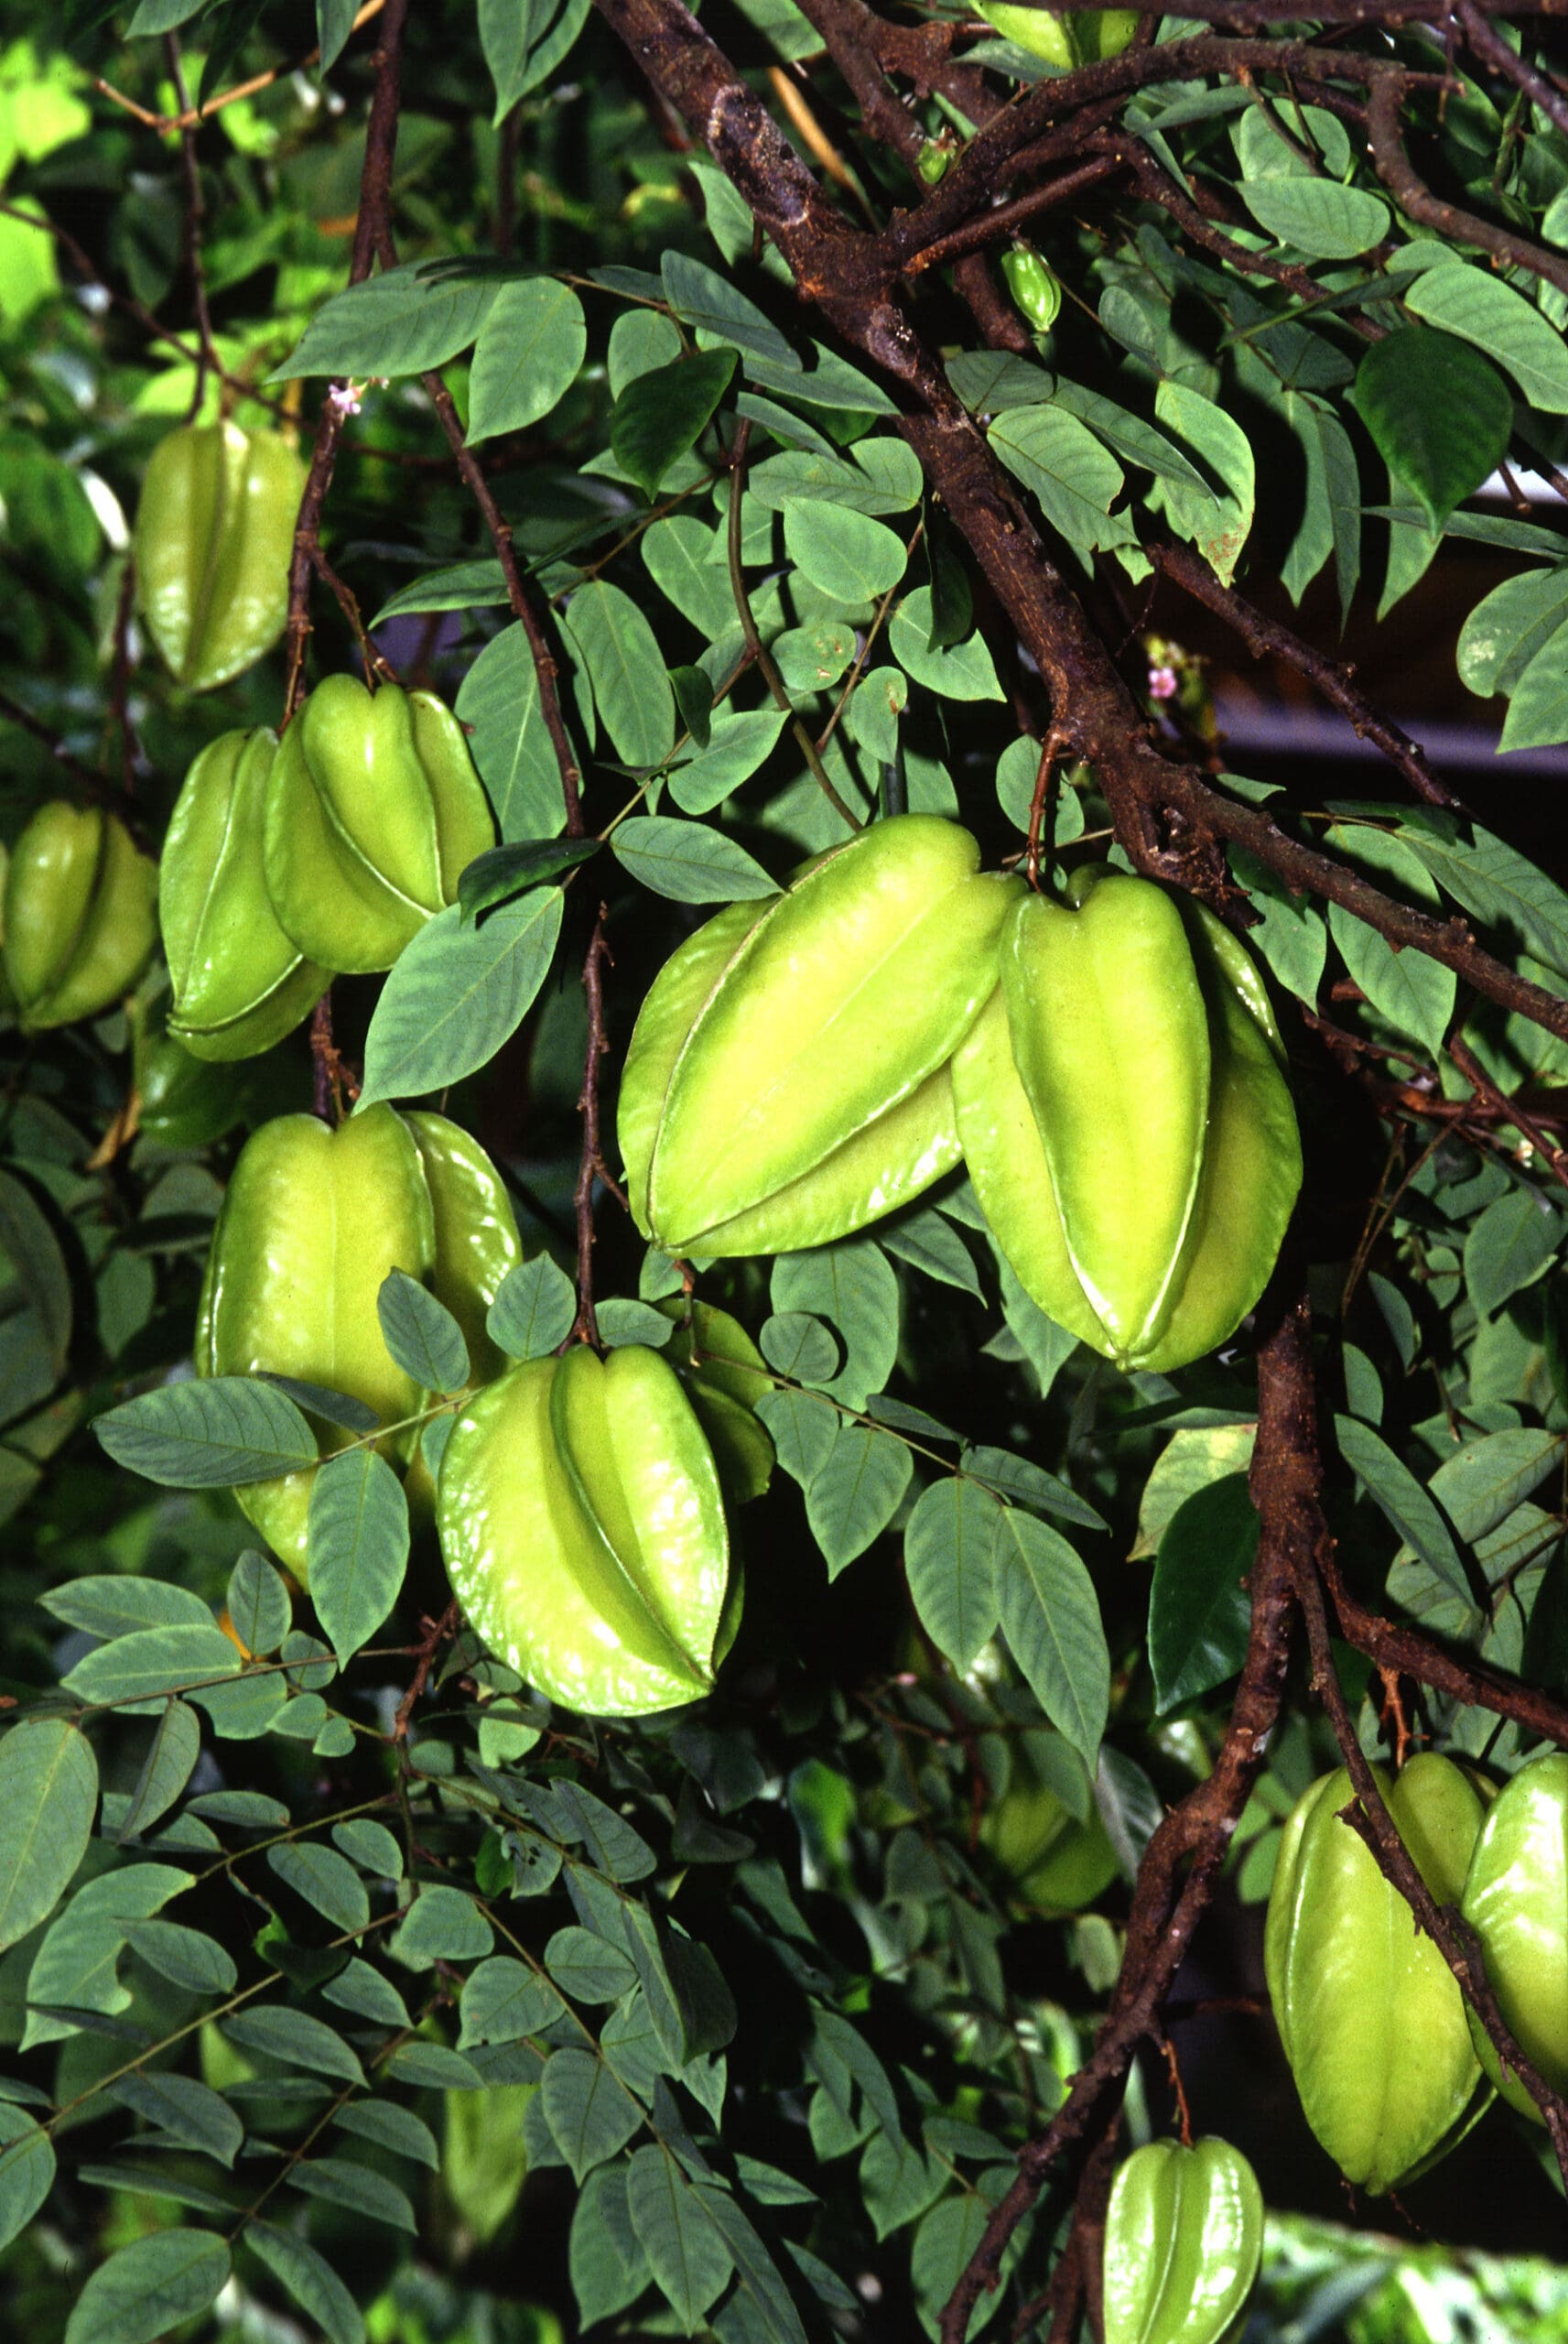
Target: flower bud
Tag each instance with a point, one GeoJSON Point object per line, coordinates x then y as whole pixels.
{"type": "Point", "coordinates": [373, 811]}
{"type": "Point", "coordinates": [1184, 2236]}
{"type": "Point", "coordinates": [313, 1221]}
{"type": "Point", "coordinates": [1515, 1900]}
{"type": "Point", "coordinates": [239, 983]}
{"type": "Point", "coordinates": [78, 927]}
{"type": "Point", "coordinates": [787, 1079]}
{"type": "Point", "coordinates": [213, 538]}
{"type": "Point", "coordinates": [1126, 1124]}
{"type": "Point", "coordinates": [1035, 287]}
{"type": "Point", "coordinates": [580, 1520]}
{"type": "Point", "coordinates": [1370, 2017]}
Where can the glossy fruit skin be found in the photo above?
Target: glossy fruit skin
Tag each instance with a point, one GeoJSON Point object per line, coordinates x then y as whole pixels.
{"type": "Point", "coordinates": [239, 983]}
{"type": "Point", "coordinates": [186, 1101]}
{"type": "Point", "coordinates": [1053, 1863]}
{"type": "Point", "coordinates": [79, 926]}
{"type": "Point", "coordinates": [1035, 288]}
{"type": "Point", "coordinates": [373, 811]}
{"type": "Point", "coordinates": [313, 1221]}
{"type": "Point", "coordinates": [1184, 2235]}
{"type": "Point", "coordinates": [213, 539]}
{"type": "Point", "coordinates": [583, 1531]}
{"type": "Point", "coordinates": [787, 1080]}
{"type": "Point", "coordinates": [1515, 1900]}
{"type": "Point", "coordinates": [1370, 2017]}
{"type": "Point", "coordinates": [1082, 38]}
{"type": "Point", "coordinates": [1126, 1122]}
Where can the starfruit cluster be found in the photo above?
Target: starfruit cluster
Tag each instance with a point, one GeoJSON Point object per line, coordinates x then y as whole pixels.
{"type": "Point", "coordinates": [311, 1225]}
{"type": "Point", "coordinates": [1109, 1069]}
{"type": "Point", "coordinates": [288, 863]}
{"type": "Point", "coordinates": [1184, 2236]}
{"type": "Point", "coordinates": [78, 925]}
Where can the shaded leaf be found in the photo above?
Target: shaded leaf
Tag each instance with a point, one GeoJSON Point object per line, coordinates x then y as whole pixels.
{"type": "Point", "coordinates": [357, 1540]}
{"type": "Point", "coordinates": [149, 2288]}
{"type": "Point", "coordinates": [48, 1794]}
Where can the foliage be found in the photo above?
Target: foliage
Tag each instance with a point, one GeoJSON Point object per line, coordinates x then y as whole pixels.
{"type": "Point", "coordinates": [713, 479]}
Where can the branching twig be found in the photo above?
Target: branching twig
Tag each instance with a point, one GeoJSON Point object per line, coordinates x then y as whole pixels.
{"type": "Point", "coordinates": [190, 115]}
{"type": "Point", "coordinates": [591, 1167]}
{"type": "Point", "coordinates": [435, 1634]}
{"type": "Point", "coordinates": [195, 213]}
{"type": "Point", "coordinates": [1417, 201]}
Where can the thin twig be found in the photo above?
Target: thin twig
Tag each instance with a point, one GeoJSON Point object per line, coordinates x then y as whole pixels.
{"type": "Point", "coordinates": [1485, 42]}
{"type": "Point", "coordinates": [16, 712]}
{"type": "Point", "coordinates": [192, 115]}
{"type": "Point", "coordinates": [592, 1167]}
{"type": "Point", "coordinates": [195, 213]}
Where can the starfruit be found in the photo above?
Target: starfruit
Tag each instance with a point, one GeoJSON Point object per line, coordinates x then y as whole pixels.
{"type": "Point", "coordinates": [580, 1519]}
{"type": "Point", "coordinates": [79, 926]}
{"type": "Point", "coordinates": [313, 1221]}
{"type": "Point", "coordinates": [1184, 2235]}
{"type": "Point", "coordinates": [1125, 1120]}
{"type": "Point", "coordinates": [1053, 1863]}
{"type": "Point", "coordinates": [787, 1079]}
{"type": "Point", "coordinates": [186, 1102]}
{"type": "Point", "coordinates": [1515, 1900]}
{"type": "Point", "coordinates": [213, 538]}
{"type": "Point", "coordinates": [373, 811]}
{"type": "Point", "coordinates": [1370, 2016]}
{"type": "Point", "coordinates": [239, 983]}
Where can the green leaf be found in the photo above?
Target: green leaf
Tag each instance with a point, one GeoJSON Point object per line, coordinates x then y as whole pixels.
{"type": "Point", "coordinates": [961, 671]}
{"type": "Point", "coordinates": [27, 2171]}
{"type": "Point", "coordinates": [187, 2114]}
{"type": "Point", "coordinates": [591, 2115]}
{"type": "Point", "coordinates": [535, 1305]}
{"type": "Point", "coordinates": [1199, 1609]}
{"type": "Point", "coordinates": [1021, 1483]}
{"type": "Point", "coordinates": [423, 1338]}
{"type": "Point", "coordinates": [153, 1662]}
{"type": "Point", "coordinates": [685, 2253]}
{"type": "Point", "coordinates": [502, 2001]}
{"type": "Point", "coordinates": [334, 23]}
{"type": "Point", "coordinates": [524, 44]}
{"type": "Point", "coordinates": [853, 1286]}
{"type": "Point", "coordinates": [371, 1844]}
{"type": "Point", "coordinates": [856, 1492]}
{"type": "Point", "coordinates": [431, 2067]}
{"type": "Point", "coordinates": [1538, 713]}
{"type": "Point", "coordinates": [112, 1603]}
{"type": "Point", "coordinates": [187, 1958]}
{"type": "Point", "coordinates": [623, 1319]}
{"type": "Point", "coordinates": [1220, 525]}
{"type": "Point", "coordinates": [530, 347]}
{"type": "Point", "coordinates": [713, 306]}
{"type": "Point", "coordinates": [1439, 412]}
{"type": "Point", "coordinates": [48, 1794]}
{"type": "Point", "coordinates": [325, 1880]}
{"type": "Point", "coordinates": [690, 861]}
{"type": "Point", "coordinates": [1508, 627]}
{"type": "Point", "coordinates": [949, 1558]}
{"type": "Point", "coordinates": [844, 554]}
{"type": "Point", "coordinates": [75, 1967]}
{"type": "Point", "coordinates": [686, 561]}
{"type": "Point", "coordinates": [1319, 217]}
{"type": "Point", "coordinates": [357, 1541]}
{"type": "Point", "coordinates": [1508, 1247]}
{"type": "Point", "coordinates": [441, 1925]}
{"type": "Point", "coordinates": [762, 2309]}
{"type": "Point", "coordinates": [258, 1603]}
{"type": "Point", "coordinates": [1049, 1616]}
{"type": "Point", "coordinates": [510, 741]}
{"type": "Point", "coordinates": [310, 2279]}
{"type": "Point", "coordinates": [640, 341]}
{"type": "Point", "coordinates": [506, 870]}
{"type": "Point", "coordinates": [456, 993]}
{"type": "Point", "coordinates": [587, 1967]}
{"type": "Point", "coordinates": [345, 2182]}
{"type": "Point", "coordinates": [295, 2038]}
{"type": "Point", "coordinates": [661, 414]}
{"type": "Point", "coordinates": [392, 2127]}
{"type": "Point", "coordinates": [1061, 463]}
{"type": "Point", "coordinates": [1468, 300]}
{"type": "Point", "coordinates": [217, 1433]}
{"type": "Point", "coordinates": [800, 1346]}
{"type": "Point", "coordinates": [1414, 992]}
{"type": "Point", "coordinates": [149, 2288]}
{"type": "Point", "coordinates": [401, 322]}
{"type": "Point", "coordinates": [1135, 440]}
{"type": "Point", "coordinates": [1395, 1491]}
{"type": "Point", "coordinates": [928, 1242]}
{"type": "Point", "coordinates": [627, 670]}
{"type": "Point", "coordinates": [456, 586]}
{"type": "Point", "coordinates": [1489, 1478]}
{"type": "Point", "coordinates": [802, 1428]}
{"type": "Point", "coordinates": [368, 1994]}
{"type": "Point", "coordinates": [737, 746]}
{"type": "Point", "coordinates": [319, 1400]}
{"type": "Point", "coordinates": [609, 2269]}
{"type": "Point", "coordinates": [34, 1255]}
{"type": "Point", "coordinates": [170, 1760]}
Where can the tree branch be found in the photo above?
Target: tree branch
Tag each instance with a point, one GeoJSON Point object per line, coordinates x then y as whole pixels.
{"type": "Point", "coordinates": [1417, 201]}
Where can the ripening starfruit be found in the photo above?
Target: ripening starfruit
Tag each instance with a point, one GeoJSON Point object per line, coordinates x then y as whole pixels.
{"type": "Point", "coordinates": [1370, 2016]}
{"type": "Point", "coordinates": [213, 539]}
{"type": "Point", "coordinates": [1125, 1120]}
{"type": "Point", "coordinates": [373, 811]}
{"type": "Point", "coordinates": [239, 983]}
{"type": "Point", "coordinates": [313, 1221]}
{"type": "Point", "coordinates": [1515, 1900]}
{"type": "Point", "coordinates": [1184, 2235]}
{"type": "Point", "coordinates": [583, 1531]}
{"type": "Point", "coordinates": [78, 927]}
{"type": "Point", "coordinates": [787, 1080]}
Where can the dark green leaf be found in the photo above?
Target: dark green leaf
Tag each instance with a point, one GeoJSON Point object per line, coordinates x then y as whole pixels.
{"type": "Point", "coordinates": [149, 2288]}
{"type": "Point", "coordinates": [324, 1879]}
{"type": "Point", "coordinates": [187, 1958]}
{"type": "Point", "coordinates": [856, 1492]}
{"type": "Point", "coordinates": [214, 1434]}
{"type": "Point", "coordinates": [949, 1557]}
{"type": "Point", "coordinates": [533, 1309]}
{"type": "Point", "coordinates": [591, 2114]}
{"type": "Point", "coordinates": [358, 1543]}
{"type": "Point", "coordinates": [686, 2254]}
{"type": "Point", "coordinates": [310, 2279]}
{"type": "Point", "coordinates": [508, 871]}
{"type": "Point", "coordinates": [1198, 1608]}
{"type": "Point", "coordinates": [441, 1925]}
{"type": "Point", "coordinates": [687, 861]}
{"type": "Point", "coordinates": [295, 2038]}
{"type": "Point", "coordinates": [1049, 1616]}
{"type": "Point", "coordinates": [423, 1338]}
{"type": "Point", "coordinates": [1439, 412]}
{"type": "Point", "coordinates": [27, 2171]}
{"type": "Point", "coordinates": [36, 1256]}
{"type": "Point", "coordinates": [661, 414]}
{"type": "Point", "coordinates": [186, 2113]}
{"type": "Point", "coordinates": [48, 1794]}
{"type": "Point", "coordinates": [152, 1662]}
{"type": "Point", "coordinates": [457, 994]}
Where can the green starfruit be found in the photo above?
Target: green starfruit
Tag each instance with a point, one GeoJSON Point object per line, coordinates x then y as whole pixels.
{"type": "Point", "coordinates": [787, 1080]}
{"type": "Point", "coordinates": [313, 1221]}
{"type": "Point", "coordinates": [1063, 38]}
{"type": "Point", "coordinates": [373, 811]}
{"type": "Point", "coordinates": [1126, 1124]}
{"type": "Point", "coordinates": [1370, 2017]}
{"type": "Point", "coordinates": [1053, 1863]}
{"type": "Point", "coordinates": [239, 983]}
{"type": "Point", "coordinates": [1184, 2235]}
{"type": "Point", "coordinates": [1035, 287]}
{"type": "Point", "coordinates": [484, 2156]}
{"type": "Point", "coordinates": [1515, 1900]}
{"type": "Point", "coordinates": [79, 926]}
{"type": "Point", "coordinates": [186, 1102]}
{"type": "Point", "coordinates": [580, 1519]}
{"type": "Point", "coordinates": [213, 538]}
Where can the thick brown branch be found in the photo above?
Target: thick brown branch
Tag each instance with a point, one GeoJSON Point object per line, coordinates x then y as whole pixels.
{"type": "Point", "coordinates": [1417, 201]}
{"type": "Point", "coordinates": [1264, 636]}
{"type": "Point", "coordinates": [1485, 42]}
